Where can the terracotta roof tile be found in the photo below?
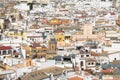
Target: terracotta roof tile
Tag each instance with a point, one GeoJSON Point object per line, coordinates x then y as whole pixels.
{"type": "Point", "coordinates": [112, 13]}
{"type": "Point", "coordinates": [5, 47]}
{"type": "Point", "coordinates": [36, 45]}
{"type": "Point", "coordinates": [75, 78]}
{"type": "Point", "coordinates": [33, 36]}
{"type": "Point", "coordinates": [94, 54]}
{"type": "Point", "coordinates": [107, 71]}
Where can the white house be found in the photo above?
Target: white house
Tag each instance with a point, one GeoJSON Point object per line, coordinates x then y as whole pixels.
{"type": "Point", "coordinates": [114, 56]}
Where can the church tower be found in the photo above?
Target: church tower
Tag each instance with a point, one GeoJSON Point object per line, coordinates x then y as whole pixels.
{"type": "Point", "coordinates": [53, 45]}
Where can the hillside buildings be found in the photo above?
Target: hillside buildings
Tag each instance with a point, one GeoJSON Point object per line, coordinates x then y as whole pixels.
{"type": "Point", "coordinates": [59, 39]}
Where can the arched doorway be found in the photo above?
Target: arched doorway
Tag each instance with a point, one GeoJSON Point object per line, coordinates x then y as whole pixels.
{"type": "Point", "coordinates": [81, 65]}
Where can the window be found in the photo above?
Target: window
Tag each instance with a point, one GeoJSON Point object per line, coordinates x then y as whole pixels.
{"type": "Point", "coordinates": [88, 63]}
{"type": "Point", "coordinates": [4, 52]}
{"type": "Point", "coordinates": [92, 63]}
{"type": "Point", "coordinates": [9, 51]}
{"type": "Point", "coordinates": [87, 55]}
{"type": "Point", "coordinates": [81, 63]}
{"type": "Point", "coordinates": [82, 56]}
{"type": "Point", "coordinates": [60, 39]}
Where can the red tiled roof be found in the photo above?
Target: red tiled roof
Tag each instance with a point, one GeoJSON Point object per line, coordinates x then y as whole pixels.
{"type": "Point", "coordinates": [112, 13]}
{"type": "Point", "coordinates": [75, 78]}
{"type": "Point", "coordinates": [5, 47]}
{"type": "Point", "coordinates": [59, 31]}
{"type": "Point", "coordinates": [107, 71]}
{"type": "Point", "coordinates": [36, 45]}
{"type": "Point", "coordinates": [44, 21]}
{"type": "Point", "coordinates": [63, 10]}
{"type": "Point", "coordinates": [80, 17]}
{"type": "Point", "coordinates": [33, 36]}
{"type": "Point", "coordinates": [94, 54]}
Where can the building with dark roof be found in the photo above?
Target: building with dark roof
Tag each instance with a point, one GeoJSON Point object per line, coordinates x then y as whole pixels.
{"type": "Point", "coordinates": [43, 74]}
{"type": "Point", "coordinates": [52, 46]}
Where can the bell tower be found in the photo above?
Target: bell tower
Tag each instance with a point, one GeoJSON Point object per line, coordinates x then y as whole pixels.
{"type": "Point", "coordinates": [52, 44]}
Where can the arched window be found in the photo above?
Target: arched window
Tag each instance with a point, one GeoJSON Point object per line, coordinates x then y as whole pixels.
{"type": "Point", "coordinates": [81, 63]}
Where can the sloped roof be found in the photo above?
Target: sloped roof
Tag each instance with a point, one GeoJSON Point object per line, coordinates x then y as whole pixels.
{"type": "Point", "coordinates": [75, 78]}
{"type": "Point", "coordinates": [5, 47]}
{"type": "Point", "coordinates": [42, 74]}
{"type": "Point", "coordinates": [34, 45]}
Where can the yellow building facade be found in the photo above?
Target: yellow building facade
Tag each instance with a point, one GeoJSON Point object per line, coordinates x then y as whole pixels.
{"type": "Point", "coordinates": [15, 35]}
{"type": "Point", "coordinates": [10, 34]}
{"type": "Point", "coordinates": [28, 50]}
{"type": "Point", "coordinates": [60, 37]}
